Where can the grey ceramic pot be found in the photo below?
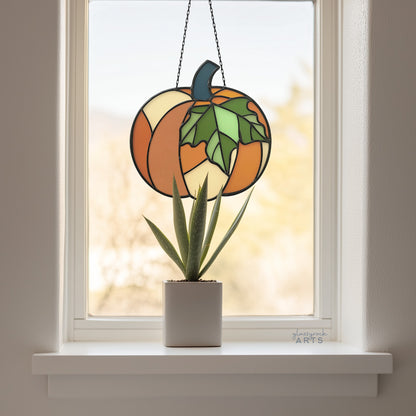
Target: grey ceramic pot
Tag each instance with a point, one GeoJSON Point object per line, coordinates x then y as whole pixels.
{"type": "Point", "coordinates": [192, 315]}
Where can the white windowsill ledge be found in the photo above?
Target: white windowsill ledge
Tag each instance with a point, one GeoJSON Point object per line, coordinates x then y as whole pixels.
{"type": "Point", "coordinates": [128, 369]}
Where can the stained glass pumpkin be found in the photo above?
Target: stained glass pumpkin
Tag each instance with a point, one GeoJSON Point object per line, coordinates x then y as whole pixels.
{"type": "Point", "coordinates": [191, 133]}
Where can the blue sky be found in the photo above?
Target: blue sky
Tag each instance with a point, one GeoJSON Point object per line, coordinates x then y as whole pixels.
{"type": "Point", "coordinates": [135, 46]}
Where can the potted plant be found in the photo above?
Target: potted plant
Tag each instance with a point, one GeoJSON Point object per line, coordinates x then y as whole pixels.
{"type": "Point", "coordinates": [192, 306]}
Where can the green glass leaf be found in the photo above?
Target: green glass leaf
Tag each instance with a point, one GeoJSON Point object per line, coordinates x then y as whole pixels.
{"type": "Point", "coordinates": [239, 106]}
{"type": "Point", "coordinates": [222, 127]}
{"type": "Point", "coordinates": [255, 135]}
{"type": "Point", "coordinates": [190, 137]}
{"type": "Point", "coordinates": [252, 118]}
{"type": "Point", "coordinates": [194, 117]}
{"type": "Point", "coordinates": [260, 128]}
{"type": "Point", "coordinates": [245, 130]}
{"type": "Point", "coordinates": [227, 122]}
{"type": "Point", "coordinates": [200, 108]}
{"type": "Point", "coordinates": [219, 150]}
{"type": "Point", "coordinates": [212, 144]}
{"type": "Point", "coordinates": [205, 124]}
{"type": "Point", "coordinates": [217, 157]}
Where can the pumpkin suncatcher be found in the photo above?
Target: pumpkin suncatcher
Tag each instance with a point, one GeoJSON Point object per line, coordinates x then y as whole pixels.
{"type": "Point", "coordinates": [203, 131]}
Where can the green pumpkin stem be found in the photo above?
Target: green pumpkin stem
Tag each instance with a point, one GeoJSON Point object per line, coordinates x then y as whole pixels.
{"type": "Point", "coordinates": [201, 84]}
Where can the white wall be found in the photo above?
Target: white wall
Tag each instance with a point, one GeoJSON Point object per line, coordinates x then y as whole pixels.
{"type": "Point", "coordinates": [29, 217]}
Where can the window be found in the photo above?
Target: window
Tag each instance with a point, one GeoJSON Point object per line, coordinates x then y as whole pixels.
{"type": "Point", "coordinates": [319, 161]}
{"type": "Point", "coordinates": [258, 369]}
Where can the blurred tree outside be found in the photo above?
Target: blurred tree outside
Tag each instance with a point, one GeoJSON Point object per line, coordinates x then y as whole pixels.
{"type": "Point", "coordinates": [267, 266]}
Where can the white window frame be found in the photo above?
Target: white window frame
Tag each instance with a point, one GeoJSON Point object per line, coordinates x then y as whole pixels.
{"type": "Point", "coordinates": [248, 368]}
{"type": "Point", "coordinates": [80, 327]}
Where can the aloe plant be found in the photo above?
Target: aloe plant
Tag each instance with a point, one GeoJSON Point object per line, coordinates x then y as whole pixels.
{"type": "Point", "coordinates": [193, 237]}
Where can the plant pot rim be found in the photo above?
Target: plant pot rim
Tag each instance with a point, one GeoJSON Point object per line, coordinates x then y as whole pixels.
{"type": "Point", "coordinates": [191, 281]}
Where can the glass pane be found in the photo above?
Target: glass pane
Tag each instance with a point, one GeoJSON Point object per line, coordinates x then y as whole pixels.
{"type": "Point", "coordinates": [267, 50]}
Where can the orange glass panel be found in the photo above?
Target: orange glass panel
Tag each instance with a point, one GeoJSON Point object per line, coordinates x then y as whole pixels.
{"type": "Point", "coordinates": [230, 93]}
{"type": "Point", "coordinates": [246, 166]}
{"type": "Point", "coordinates": [192, 156]}
{"type": "Point", "coordinates": [140, 144]}
{"type": "Point", "coordinates": [163, 160]}
{"type": "Point", "coordinates": [219, 100]}
{"type": "Point", "coordinates": [202, 102]}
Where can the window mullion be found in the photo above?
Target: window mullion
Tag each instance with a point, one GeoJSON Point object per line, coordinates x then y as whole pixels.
{"type": "Point", "coordinates": [77, 124]}
{"type": "Point", "coordinates": [326, 157]}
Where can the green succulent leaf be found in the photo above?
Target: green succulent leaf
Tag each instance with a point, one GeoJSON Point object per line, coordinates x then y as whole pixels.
{"type": "Point", "coordinates": [192, 213]}
{"type": "Point", "coordinates": [166, 245]}
{"type": "Point", "coordinates": [194, 246]}
{"type": "Point", "coordinates": [211, 227]}
{"type": "Point", "coordinates": [196, 233]}
{"type": "Point", "coordinates": [222, 127]}
{"type": "Point", "coordinates": [227, 236]}
{"type": "Point", "coordinates": [179, 222]}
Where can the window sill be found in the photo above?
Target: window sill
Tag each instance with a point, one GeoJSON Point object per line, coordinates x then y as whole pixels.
{"type": "Point", "coordinates": [128, 369]}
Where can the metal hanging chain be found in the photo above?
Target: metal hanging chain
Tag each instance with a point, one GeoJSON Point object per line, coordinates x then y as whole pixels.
{"type": "Point", "coordinates": [183, 42]}
{"type": "Point", "coordinates": [214, 26]}
{"type": "Point", "coordinates": [188, 12]}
